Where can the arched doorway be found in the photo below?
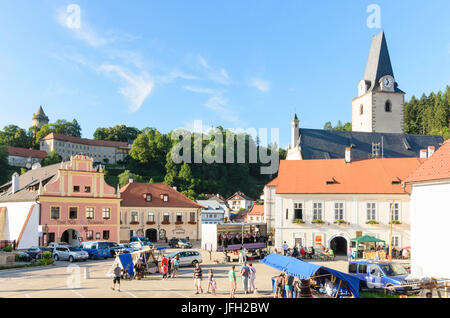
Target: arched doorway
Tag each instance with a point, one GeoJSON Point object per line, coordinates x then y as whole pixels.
{"type": "Point", "coordinates": [152, 235]}
{"type": "Point", "coordinates": [71, 237]}
{"type": "Point", "coordinates": [339, 245]}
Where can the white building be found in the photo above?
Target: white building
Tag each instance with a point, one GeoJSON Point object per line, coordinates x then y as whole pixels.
{"type": "Point", "coordinates": [213, 211]}
{"type": "Point", "coordinates": [240, 201]}
{"type": "Point", "coordinates": [100, 150]}
{"type": "Point", "coordinates": [430, 215]}
{"type": "Point", "coordinates": [328, 202]}
{"type": "Point", "coordinates": [25, 158]}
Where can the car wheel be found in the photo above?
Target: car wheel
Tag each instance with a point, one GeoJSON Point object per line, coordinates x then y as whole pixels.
{"type": "Point", "coordinates": [390, 289]}
{"type": "Point", "coordinates": [194, 263]}
{"type": "Point", "coordinates": [71, 259]}
{"type": "Point", "coordinates": [56, 257]}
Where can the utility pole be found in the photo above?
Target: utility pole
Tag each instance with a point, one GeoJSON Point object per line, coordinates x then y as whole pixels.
{"type": "Point", "coordinates": [390, 235]}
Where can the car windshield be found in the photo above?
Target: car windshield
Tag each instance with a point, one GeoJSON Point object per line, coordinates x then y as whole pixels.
{"type": "Point", "coordinates": [171, 255]}
{"type": "Point", "coordinates": [126, 245]}
{"type": "Point", "coordinates": [103, 245]}
{"type": "Point", "coordinates": [183, 240]}
{"type": "Point", "coordinates": [393, 270]}
{"type": "Point", "coordinates": [74, 249]}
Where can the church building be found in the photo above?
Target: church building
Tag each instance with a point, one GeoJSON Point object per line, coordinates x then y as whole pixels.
{"type": "Point", "coordinates": [377, 120]}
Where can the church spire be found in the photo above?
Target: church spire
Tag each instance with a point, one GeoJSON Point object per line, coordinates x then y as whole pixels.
{"type": "Point", "coordinates": [379, 62]}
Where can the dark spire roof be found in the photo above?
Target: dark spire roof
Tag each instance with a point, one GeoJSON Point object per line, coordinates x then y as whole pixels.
{"type": "Point", "coordinates": [40, 113]}
{"type": "Point", "coordinates": [295, 116]}
{"type": "Point", "coordinates": [379, 62]}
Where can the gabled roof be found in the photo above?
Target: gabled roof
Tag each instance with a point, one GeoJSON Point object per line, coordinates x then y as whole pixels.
{"type": "Point", "coordinates": [24, 152]}
{"type": "Point", "coordinates": [369, 176]}
{"type": "Point", "coordinates": [212, 205]}
{"type": "Point", "coordinates": [437, 167]}
{"type": "Point", "coordinates": [133, 195]}
{"type": "Point", "coordinates": [242, 195]}
{"type": "Point", "coordinates": [84, 141]}
{"type": "Point", "coordinates": [331, 144]}
{"type": "Point", "coordinates": [257, 210]}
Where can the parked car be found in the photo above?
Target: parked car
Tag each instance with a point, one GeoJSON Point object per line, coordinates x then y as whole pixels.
{"type": "Point", "coordinates": [96, 249]}
{"type": "Point", "coordinates": [140, 239]}
{"type": "Point", "coordinates": [184, 243]}
{"type": "Point", "coordinates": [139, 245]}
{"type": "Point", "coordinates": [69, 253]}
{"type": "Point", "coordinates": [388, 275]}
{"type": "Point", "coordinates": [126, 248]}
{"type": "Point", "coordinates": [23, 257]}
{"type": "Point", "coordinates": [173, 242]}
{"type": "Point", "coordinates": [187, 258]}
{"type": "Point", "coordinates": [114, 248]}
{"type": "Point", "coordinates": [37, 251]}
{"type": "Point", "coordinates": [52, 245]}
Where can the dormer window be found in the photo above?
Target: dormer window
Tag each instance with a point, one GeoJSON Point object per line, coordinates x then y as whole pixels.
{"type": "Point", "coordinates": [148, 197]}
{"type": "Point", "coordinates": [165, 197]}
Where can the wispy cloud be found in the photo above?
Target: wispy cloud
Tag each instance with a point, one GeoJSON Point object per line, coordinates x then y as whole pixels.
{"type": "Point", "coordinates": [260, 84]}
{"type": "Point", "coordinates": [216, 75]}
{"type": "Point", "coordinates": [200, 90]}
{"type": "Point", "coordinates": [137, 87]}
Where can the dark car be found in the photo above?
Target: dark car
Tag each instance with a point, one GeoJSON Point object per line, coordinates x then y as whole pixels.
{"type": "Point", "coordinates": [173, 242]}
{"type": "Point", "coordinates": [114, 248]}
{"type": "Point", "coordinates": [37, 251]}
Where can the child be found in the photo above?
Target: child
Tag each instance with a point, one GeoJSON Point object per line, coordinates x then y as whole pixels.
{"type": "Point", "coordinates": [211, 281]}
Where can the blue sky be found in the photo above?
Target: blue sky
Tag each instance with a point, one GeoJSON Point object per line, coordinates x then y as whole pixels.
{"type": "Point", "coordinates": [246, 64]}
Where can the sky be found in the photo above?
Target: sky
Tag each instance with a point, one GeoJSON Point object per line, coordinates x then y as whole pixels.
{"type": "Point", "coordinates": [237, 64]}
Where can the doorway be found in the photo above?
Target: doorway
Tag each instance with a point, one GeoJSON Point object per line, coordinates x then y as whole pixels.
{"type": "Point", "coordinates": [152, 235]}
{"type": "Point", "coordinates": [339, 245]}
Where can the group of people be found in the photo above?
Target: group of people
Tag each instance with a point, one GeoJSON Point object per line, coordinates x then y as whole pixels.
{"type": "Point", "coordinates": [248, 276]}
{"type": "Point", "coordinates": [225, 239]}
{"type": "Point", "coordinates": [303, 252]}
{"type": "Point", "coordinates": [290, 286]}
{"type": "Point", "coordinates": [169, 266]}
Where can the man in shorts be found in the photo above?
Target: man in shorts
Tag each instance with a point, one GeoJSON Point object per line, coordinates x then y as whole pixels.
{"type": "Point", "coordinates": [117, 275]}
{"type": "Point", "coordinates": [198, 275]}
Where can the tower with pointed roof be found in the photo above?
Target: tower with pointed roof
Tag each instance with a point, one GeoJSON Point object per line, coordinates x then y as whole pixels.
{"type": "Point", "coordinates": [379, 106]}
{"type": "Point", "coordinates": [294, 152]}
{"type": "Point", "coordinates": [40, 119]}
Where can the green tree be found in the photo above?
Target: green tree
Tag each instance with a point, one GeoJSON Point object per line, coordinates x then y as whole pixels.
{"type": "Point", "coordinates": [15, 136]}
{"type": "Point", "coordinates": [51, 159]}
{"type": "Point", "coordinates": [60, 126]}
{"type": "Point", "coordinates": [117, 133]}
{"type": "Point", "coordinates": [4, 167]}
{"type": "Point", "coordinates": [125, 177]}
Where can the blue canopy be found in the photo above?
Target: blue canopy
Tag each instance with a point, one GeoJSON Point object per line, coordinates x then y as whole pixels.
{"type": "Point", "coordinates": [301, 269]}
{"type": "Point", "coordinates": [127, 263]}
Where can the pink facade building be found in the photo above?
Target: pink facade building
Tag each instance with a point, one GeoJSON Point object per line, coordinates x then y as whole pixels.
{"type": "Point", "coordinates": [78, 205]}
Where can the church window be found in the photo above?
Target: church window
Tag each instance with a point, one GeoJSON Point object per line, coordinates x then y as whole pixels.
{"type": "Point", "coordinates": [388, 106]}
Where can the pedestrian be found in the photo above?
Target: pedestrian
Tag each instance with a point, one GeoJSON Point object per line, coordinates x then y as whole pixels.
{"type": "Point", "coordinates": [169, 267]}
{"type": "Point", "coordinates": [288, 285]}
{"type": "Point", "coordinates": [211, 282]}
{"type": "Point", "coordinates": [198, 276]}
{"type": "Point", "coordinates": [164, 268]}
{"type": "Point", "coordinates": [252, 277]}
{"type": "Point", "coordinates": [232, 278]}
{"type": "Point", "coordinates": [285, 248]}
{"type": "Point", "coordinates": [176, 265]}
{"type": "Point", "coordinates": [117, 275]}
{"type": "Point", "coordinates": [244, 274]}
{"type": "Point", "coordinates": [279, 283]}
{"type": "Point", "coordinates": [241, 256]}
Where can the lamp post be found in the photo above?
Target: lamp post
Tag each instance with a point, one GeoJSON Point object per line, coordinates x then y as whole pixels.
{"type": "Point", "coordinates": [390, 234]}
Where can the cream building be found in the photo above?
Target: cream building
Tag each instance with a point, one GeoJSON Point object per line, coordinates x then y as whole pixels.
{"type": "Point", "coordinates": [329, 202]}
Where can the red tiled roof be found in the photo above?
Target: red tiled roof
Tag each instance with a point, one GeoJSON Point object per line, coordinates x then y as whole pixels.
{"type": "Point", "coordinates": [273, 183]}
{"type": "Point", "coordinates": [257, 210]}
{"type": "Point", "coordinates": [24, 152]}
{"type": "Point", "coordinates": [85, 141]}
{"type": "Point", "coordinates": [382, 175]}
{"type": "Point", "coordinates": [133, 195]}
{"type": "Point", "coordinates": [434, 168]}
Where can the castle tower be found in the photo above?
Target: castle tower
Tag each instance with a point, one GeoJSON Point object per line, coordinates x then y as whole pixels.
{"type": "Point", "coordinates": [40, 119]}
{"type": "Point", "coordinates": [379, 106]}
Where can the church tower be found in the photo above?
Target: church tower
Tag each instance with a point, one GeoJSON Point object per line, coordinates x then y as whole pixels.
{"type": "Point", "coordinates": [40, 119]}
{"type": "Point", "coordinates": [294, 152]}
{"type": "Point", "coordinates": [379, 106]}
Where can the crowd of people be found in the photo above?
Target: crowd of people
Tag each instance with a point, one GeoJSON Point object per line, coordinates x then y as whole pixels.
{"type": "Point", "coordinates": [225, 239]}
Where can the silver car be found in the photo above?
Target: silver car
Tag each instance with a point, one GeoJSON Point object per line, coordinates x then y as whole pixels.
{"type": "Point", "coordinates": [69, 253]}
{"type": "Point", "coordinates": [187, 258]}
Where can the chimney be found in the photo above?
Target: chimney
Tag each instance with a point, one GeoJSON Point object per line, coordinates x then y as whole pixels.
{"type": "Point", "coordinates": [15, 183]}
{"type": "Point", "coordinates": [348, 157]}
{"type": "Point", "coordinates": [130, 180]}
{"type": "Point", "coordinates": [430, 151]}
{"type": "Point", "coordinates": [423, 153]}
{"type": "Point", "coordinates": [175, 188]}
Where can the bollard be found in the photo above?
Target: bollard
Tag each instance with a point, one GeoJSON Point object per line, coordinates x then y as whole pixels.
{"type": "Point", "coordinates": [86, 273]}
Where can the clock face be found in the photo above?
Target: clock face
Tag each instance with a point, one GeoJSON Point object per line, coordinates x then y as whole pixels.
{"type": "Point", "coordinates": [388, 82]}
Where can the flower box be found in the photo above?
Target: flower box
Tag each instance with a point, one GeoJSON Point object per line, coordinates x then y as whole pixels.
{"type": "Point", "coordinates": [396, 222]}
{"type": "Point", "coordinates": [340, 222]}
{"type": "Point", "coordinates": [317, 221]}
{"type": "Point", "coordinates": [134, 223]}
{"type": "Point", "coordinates": [192, 222]}
{"type": "Point", "coordinates": [298, 221]}
{"type": "Point", "coordinates": [165, 223]}
{"type": "Point", "coordinates": [178, 223]}
{"type": "Point", "coordinates": [150, 223]}
{"type": "Point", "coordinates": [372, 222]}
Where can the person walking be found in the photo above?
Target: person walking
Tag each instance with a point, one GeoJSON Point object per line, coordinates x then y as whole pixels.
{"type": "Point", "coordinates": [252, 277]}
{"type": "Point", "coordinates": [164, 268]}
{"type": "Point", "coordinates": [198, 276]}
{"type": "Point", "coordinates": [169, 267]}
{"type": "Point", "coordinates": [176, 265]}
{"type": "Point", "coordinates": [288, 285]}
{"type": "Point", "coordinates": [211, 282]}
{"type": "Point", "coordinates": [285, 248]}
{"type": "Point", "coordinates": [117, 275]}
{"type": "Point", "coordinates": [241, 256]}
{"type": "Point", "coordinates": [232, 278]}
{"type": "Point", "coordinates": [244, 274]}
{"type": "Point", "coordinates": [279, 283]}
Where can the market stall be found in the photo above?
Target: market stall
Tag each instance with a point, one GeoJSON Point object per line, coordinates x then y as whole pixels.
{"type": "Point", "coordinates": [345, 285]}
{"type": "Point", "coordinates": [369, 248]}
{"type": "Point", "coordinates": [136, 264]}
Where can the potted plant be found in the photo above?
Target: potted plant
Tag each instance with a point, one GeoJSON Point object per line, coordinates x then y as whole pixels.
{"type": "Point", "coordinates": [179, 222]}
{"type": "Point", "coordinates": [340, 222]}
{"type": "Point", "coordinates": [192, 222]}
{"type": "Point", "coordinates": [150, 223]}
{"type": "Point", "coordinates": [372, 222]}
{"type": "Point", "coordinates": [396, 222]}
{"type": "Point", "coordinates": [134, 223]}
{"type": "Point", "coordinates": [299, 221]}
{"type": "Point", "coordinates": [165, 222]}
{"type": "Point", "coordinates": [317, 221]}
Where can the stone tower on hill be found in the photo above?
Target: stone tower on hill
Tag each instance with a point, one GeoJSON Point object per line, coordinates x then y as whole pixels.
{"type": "Point", "coordinates": [40, 119]}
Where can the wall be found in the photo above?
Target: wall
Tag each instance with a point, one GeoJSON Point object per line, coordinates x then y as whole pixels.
{"type": "Point", "coordinates": [362, 122]}
{"type": "Point", "coordinates": [16, 215]}
{"type": "Point", "coordinates": [209, 235]}
{"type": "Point", "coordinates": [430, 218]}
{"type": "Point", "coordinates": [391, 122]}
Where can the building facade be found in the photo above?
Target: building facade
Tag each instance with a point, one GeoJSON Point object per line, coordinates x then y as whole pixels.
{"type": "Point", "coordinates": [256, 214]}
{"type": "Point", "coordinates": [239, 201]}
{"type": "Point", "coordinates": [430, 217]}
{"type": "Point", "coordinates": [25, 158]}
{"type": "Point", "coordinates": [158, 212]}
{"type": "Point", "coordinates": [213, 212]}
{"type": "Point", "coordinates": [102, 151]}
{"type": "Point", "coordinates": [328, 202]}
{"type": "Point", "coordinates": [78, 205]}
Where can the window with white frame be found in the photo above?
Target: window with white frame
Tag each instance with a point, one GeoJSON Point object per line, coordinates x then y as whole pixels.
{"type": "Point", "coordinates": [298, 211]}
{"type": "Point", "coordinates": [338, 211]}
{"type": "Point", "coordinates": [166, 217]}
{"type": "Point", "coordinates": [151, 217]}
{"type": "Point", "coordinates": [371, 209]}
{"type": "Point", "coordinates": [395, 240]}
{"type": "Point", "coordinates": [317, 211]}
{"type": "Point", "coordinates": [89, 213]}
{"type": "Point", "coordinates": [179, 217]}
{"type": "Point", "coordinates": [134, 217]}
{"type": "Point", "coordinates": [395, 211]}
{"type": "Point", "coordinates": [106, 213]}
